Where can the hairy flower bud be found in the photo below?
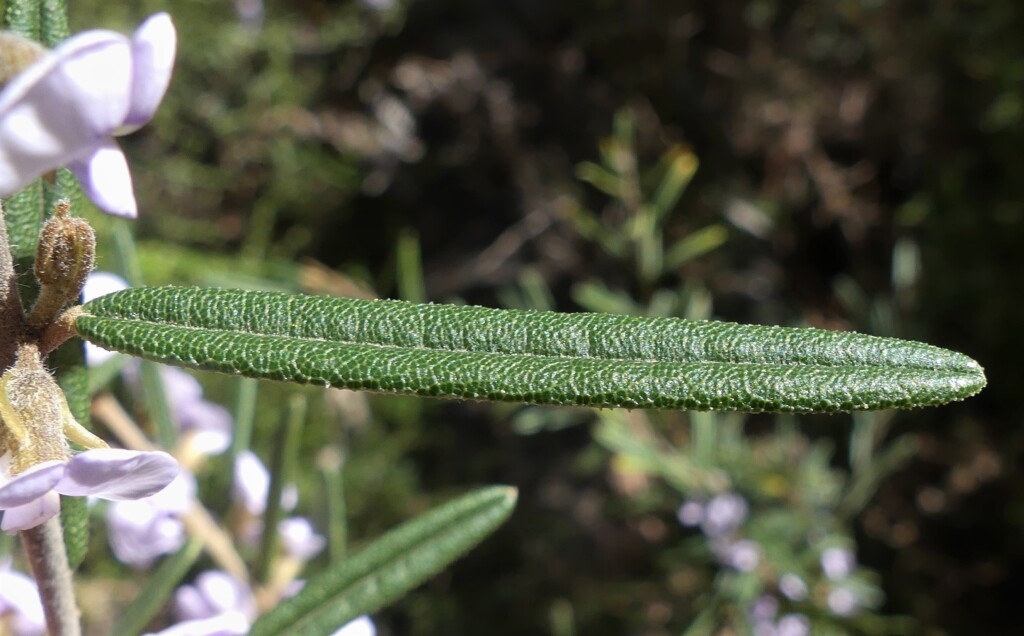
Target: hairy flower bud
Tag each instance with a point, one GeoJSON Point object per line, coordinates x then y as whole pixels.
{"type": "Point", "coordinates": [37, 422]}
{"type": "Point", "coordinates": [67, 251]}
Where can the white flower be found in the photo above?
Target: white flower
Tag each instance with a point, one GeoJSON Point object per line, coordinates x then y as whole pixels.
{"type": "Point", "coordinates": [65, 109]}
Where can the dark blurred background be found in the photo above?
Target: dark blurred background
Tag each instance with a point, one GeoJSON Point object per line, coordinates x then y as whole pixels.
{"type": "Point", "coordinates": [860, 162]}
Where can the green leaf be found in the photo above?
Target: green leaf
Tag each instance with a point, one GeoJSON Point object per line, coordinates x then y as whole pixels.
{"type": "Point", "coordinates": [526, 356]}
{"type": "Point", "coordinates": [22, 17]}
{"type": "Point", "coordinates": [391, 566]}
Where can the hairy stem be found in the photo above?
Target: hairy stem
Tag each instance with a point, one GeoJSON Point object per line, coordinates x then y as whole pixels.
{"type": "Point", "coordinates": [44, 547]}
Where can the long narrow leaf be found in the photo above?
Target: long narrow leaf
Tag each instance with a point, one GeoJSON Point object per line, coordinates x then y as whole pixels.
{"type": "Point", "coordinates": [525, 356]}
{"type": "Point", "coordinates": [391, 565]}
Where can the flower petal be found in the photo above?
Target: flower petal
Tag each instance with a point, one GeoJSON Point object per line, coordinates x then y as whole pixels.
{"type": "Point", "coordinates": [105, 178]}
{"type": "Point", "coordinates": [153, 48]}
{"type": "Point", "coordinates": [116, 473]}
{"type": "Point", "coordinates": [19, 602]}
{"type": "Point", "coordinates": [299, 539]}
{"type": "Point", "coordinates": [30, 484]}
{"type": "Point", "coordinates": [31, 514]}
{"type": "Point", "coordinates": [361, 626]}
{"type": "Point", "coordinates": [227, 624]}
{"type": "Point", "coordinates": [62, 106]}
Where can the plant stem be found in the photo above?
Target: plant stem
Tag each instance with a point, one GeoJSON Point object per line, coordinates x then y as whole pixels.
{"type": "Point", "coordinates": [44, 547]}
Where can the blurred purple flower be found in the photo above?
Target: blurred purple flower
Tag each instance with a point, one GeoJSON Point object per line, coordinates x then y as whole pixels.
{"type": "Point", "coordinates": [140, 531]}
{"type": "Point", "coordinates": [843, 602]}
{"type": "Point", "coordinates": [31, 497]}
{"type": "Point", "coordinates": [723, 514]}
{"type": "Point", "coordinates": [206, 427]}
{"type": "Point", "coordinates": [837, 563]}
{"type": "Point", "coordinates": [691, 513]}
{"type": "Point", "coordinates": [218, 605]}
{"type": "Point", "coordinates": [65, 109]}
{"type": "Point", "coordinates": [299, 539]}
{"type": "Point", "coordinates": [743, 555]}
{"type": "Point", "coordinates": [252, 485]}
{"type": "Point", "coordinates": [764, 609]}
{"type": "Point", "coordinates": [21, 611]}
{"type": "Point", "coordinates": [792, 587]}
{"type": "Point", "coordinates": [793, 625]}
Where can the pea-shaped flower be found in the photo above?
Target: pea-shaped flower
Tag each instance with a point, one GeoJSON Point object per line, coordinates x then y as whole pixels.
{"type": "Point", "coordinates": [37, 463]}
{"type": "Point", "coordinates": [66, 107]}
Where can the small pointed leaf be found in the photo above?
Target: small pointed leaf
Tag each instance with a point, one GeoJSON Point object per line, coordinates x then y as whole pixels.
{"type": "Point", "coordinates": [391, 566]}
{"type": "Point", "coordinates": [526, 356]}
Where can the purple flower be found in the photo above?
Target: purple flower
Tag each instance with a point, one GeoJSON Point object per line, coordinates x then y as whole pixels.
{"type": "Point", "coordinates": [31, 497]}
{"type": "Point", "coordinates": [793, 625]}
{"type": "Point", "coordinates": [299, 539]}
{"type": "Point", "coordinates": [843, 602]}
{"type": "Point", "coordinates": [744, 555]}
{"type": "Point", "coordinates": [21, 611]}
{"type": "Point", "coordinates": [792, 587]}
{"type": "Point", "coordinates": [837, 563]}
{"type": "Point", "coordinates": [218, 605]}
{"type": "Point", "coordinates": [65, 109]}
{"type": "Point", "coordinates": [205, 427]}
{"type": "Point", "coordinates": [142, 530]}
{"type": "Point", "coordinates": [723, 514]}
{"type": "Point", "coordinates": [691, 513]}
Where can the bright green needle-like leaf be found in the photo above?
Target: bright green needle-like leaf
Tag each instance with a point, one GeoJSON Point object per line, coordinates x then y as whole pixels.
{"type": "Point", "coordinates": [525, 356]}
{"type": "Point", "coordinates": [391, 566]}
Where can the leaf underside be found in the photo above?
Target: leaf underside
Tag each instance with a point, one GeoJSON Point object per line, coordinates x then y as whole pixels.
{"type": "Point", "coordinates": [477, 353]}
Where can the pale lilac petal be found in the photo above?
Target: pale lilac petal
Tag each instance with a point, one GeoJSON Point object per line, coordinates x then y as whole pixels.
{"type": "Point", "coordinates": [139, 533]}
{"type": "Point", "coordinates": [31, 514]}
{"type": "Point", "coordinates": [214, 592]}
{"type": "Point", "coordinates": [299, 539]}
{"type": "Point", "coordinates": [227, 624]}
{"type": "Point", "coordinates": [837, 563]}
{"type": "Point", "coordinates": [252, 483]}
{"type": "Point", "coordinates": [361, 626]}
{"type": "Point", "coordinates": [104, 176]}
{"type": "Point", "coordinates": [60, 108]}
{"type": "Point", "coordinates": [20, 607]}
{"type": "Point", "coordinates": [116, 473]}
{"type": "Point", "coordinates": [209, 426]}
{"type": "Point", "coordinates": [31, 484]}
{"type": "Point", "coordinates": [153, 48]}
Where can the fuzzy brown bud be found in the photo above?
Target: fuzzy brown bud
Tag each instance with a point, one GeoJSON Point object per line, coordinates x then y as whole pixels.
{"type": "Point", "coordinates": [66, 254]}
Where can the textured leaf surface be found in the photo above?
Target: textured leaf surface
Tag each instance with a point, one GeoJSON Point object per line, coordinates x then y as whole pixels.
{"type": "Point", "coordinates": [523, 356]}
{"type": "Point", "coordinates": [391, 566]}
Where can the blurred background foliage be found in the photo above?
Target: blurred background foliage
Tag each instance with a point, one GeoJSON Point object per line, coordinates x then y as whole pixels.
{"type": "Point", "coordinates": [848, 165]}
